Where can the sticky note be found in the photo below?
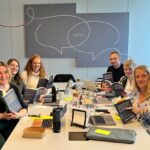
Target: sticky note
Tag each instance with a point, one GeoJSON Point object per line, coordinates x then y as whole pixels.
{"type": "Point", "coordinates": [68, 99]}
{"type": "Point", "coordinates": [41, 117]}
{"type": "Point", "coordinates": [102, 131]}
{"type": "Point", "coordinates": [117, 117]}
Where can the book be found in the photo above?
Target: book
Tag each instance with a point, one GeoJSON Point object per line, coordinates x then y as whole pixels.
{"type": "Point", "coordinates": [118, 88]}
{"type": "Point", "coordinates": [47, 83]}
{"type": "Point", "coordinates": [108, 76]}
{"type": "Point", "coordinates": [32, 95]}
{"type": "Point", "coordinates": [12, 101]}
{"type": "Point", "coordinates": [124, 113]}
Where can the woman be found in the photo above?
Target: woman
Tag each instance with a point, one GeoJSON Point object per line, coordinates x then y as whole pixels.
{"type": "Point", "coordinates": [15, 70]}
{"type": "Point", "coordinates": [34, 70]}
{"type": "Point", "coordinates": [141, 104]}
{"type": "Point", "coordinates": [8, 120]}
{"type": "Point", "coordinates": [128, 80]}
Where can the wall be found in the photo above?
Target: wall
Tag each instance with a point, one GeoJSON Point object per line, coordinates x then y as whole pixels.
{"type": "Point", "coordinates": [12, 39]}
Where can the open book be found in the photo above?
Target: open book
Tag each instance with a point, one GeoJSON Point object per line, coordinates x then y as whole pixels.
{"type": "Point", "coordinates": [12, 101]}
{"type": "Point", "coordinates": [123, 111]}
{"type": "Point", "coordinates": [32, 95]}
{"type": "Point", "coordinates": [47, 83]}
{"type": "Point", "coordinates": [116, 87]}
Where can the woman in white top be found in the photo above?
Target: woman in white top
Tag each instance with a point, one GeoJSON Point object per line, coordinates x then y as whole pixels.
{"type": "Point", "coordinates": [141, 104]}
{"type": "Point", "coordinates": [128, 80]}
{"type": "Point", "coordinates": [34, 70]}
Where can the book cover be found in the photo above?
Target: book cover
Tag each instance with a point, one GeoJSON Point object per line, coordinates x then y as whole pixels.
{"type": "Point", "coordinates": [32, 95]}
{"type": "Point", "coordinates": [118, 88]}
{"type": "Point", "coordinates": [108, 76]}
{"type": "Point", "coordinates": [124, 113]}
{"type": "Point", "coordinates": [47, 83]}
{"type": "Point", "coordinates": [12, 101]}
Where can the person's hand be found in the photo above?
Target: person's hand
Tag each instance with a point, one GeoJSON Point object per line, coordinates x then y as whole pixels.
{"type": "Point", "coordinates": [124, 94]}
{"type": "Point", "coordinates": [15, 115]}
{"type": "Point", "coordinates": [106, 85]}
{"type": "Point", "coordinates": [108, 89]}
{"type": "Point", "coordinates": [41, 99]}
{"type": "Point", "coordinates": [137, 109]}
{"type": "Point", "coordinates": [7, 116]}
{"type": "Point", "coordinates": [44, 91]}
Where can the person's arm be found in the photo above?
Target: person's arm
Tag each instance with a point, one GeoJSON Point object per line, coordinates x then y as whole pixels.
{"type": "Point", "coordinates": [138, 109]}
{"type": "Point", "coordinates": [5, 115]}
{"type": "Point", "coordinates": [20, 114]}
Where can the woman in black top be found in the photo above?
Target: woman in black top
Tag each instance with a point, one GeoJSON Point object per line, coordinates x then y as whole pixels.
{"type": "Point", "coordinates": [8, 120]}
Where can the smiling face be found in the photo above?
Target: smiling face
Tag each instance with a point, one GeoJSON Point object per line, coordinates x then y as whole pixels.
{"type": "Point", "coordinates": [14, 67]}
{"type": "Point", "coordinates": [141, 78]}
{"type": "Point", "coordinates": [36, 64]}
{"type": "Point", "coordinates": [114, 60]}
{"type": "Point", "coordinates": [4, 76]}
{"type": "Point", "coordinates": [128, 71]}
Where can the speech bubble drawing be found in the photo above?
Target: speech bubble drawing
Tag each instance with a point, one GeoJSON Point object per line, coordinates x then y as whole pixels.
{"type": "Point", "coordinates": [56, 46]}
{"type": "Point", "coordinates": [77, 34]}
{"type": "Point", "coordinates": [94, 56]}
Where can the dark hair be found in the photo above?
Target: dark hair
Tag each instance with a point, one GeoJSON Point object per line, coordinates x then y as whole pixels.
{"type": "Point", "coordinates": [17, 77]}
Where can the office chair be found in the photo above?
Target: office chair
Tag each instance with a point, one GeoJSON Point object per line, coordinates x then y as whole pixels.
{"type": "Point", "coordinates": [64, 78]}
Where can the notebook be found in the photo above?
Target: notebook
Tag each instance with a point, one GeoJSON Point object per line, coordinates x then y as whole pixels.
{"type": "Point", "coordinates": [101, 120]}
{"type": "Point", "coordinates": [43, 123]}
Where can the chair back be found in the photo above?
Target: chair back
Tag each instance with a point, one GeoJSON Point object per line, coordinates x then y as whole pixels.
{"type": "Point", "coordinates": [64, 78]}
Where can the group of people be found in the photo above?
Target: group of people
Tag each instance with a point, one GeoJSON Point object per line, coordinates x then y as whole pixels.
{"type": "Point", "coordinates": [133, 78]}
{"type": "Point", "coordinates": [10, 78]}
{"type": "Point", "coordinates": [136, 81]}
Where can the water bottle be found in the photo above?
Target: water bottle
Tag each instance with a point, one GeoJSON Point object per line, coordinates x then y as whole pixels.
{"type": "Point", "coordinates": [54, 94]}
{"type": "Point", "coordinates": [56, 120]}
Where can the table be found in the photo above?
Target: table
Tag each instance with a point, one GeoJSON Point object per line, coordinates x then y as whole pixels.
{"type": "Point", "coordinates": [59, 141]}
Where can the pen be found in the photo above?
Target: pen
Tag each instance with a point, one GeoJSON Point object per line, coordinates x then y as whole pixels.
{"type": "Point", "coordinates": [38, 115]}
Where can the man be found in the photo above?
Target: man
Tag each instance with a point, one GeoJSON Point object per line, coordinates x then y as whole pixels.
{"type": "Point", "coordinates": [116, 66]}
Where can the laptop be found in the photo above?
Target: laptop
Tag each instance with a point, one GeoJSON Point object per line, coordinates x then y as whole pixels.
{"type": "Point", "coordinates": [90, 85]}
{"type": "Point", "coordinates": [101, 120]}
{"type": "Point", "coordinates": [61, 86]}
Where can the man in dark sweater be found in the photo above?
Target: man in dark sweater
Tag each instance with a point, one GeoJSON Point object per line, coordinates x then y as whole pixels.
{"type": "Point", "coordinates": [116, 66]}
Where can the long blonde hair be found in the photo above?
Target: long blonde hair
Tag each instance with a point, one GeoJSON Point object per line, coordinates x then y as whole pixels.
{"type": "Point", "coordinates": [145, 69]}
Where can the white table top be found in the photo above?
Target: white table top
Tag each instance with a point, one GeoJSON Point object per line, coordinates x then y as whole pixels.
{"type": "Point", "coordinates": [59, 141]}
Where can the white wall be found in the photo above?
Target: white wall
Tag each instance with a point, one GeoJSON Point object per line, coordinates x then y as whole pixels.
{"type": "Point", "coordinates": [12, 39]}
{"type": "Point", "coordinates": [139, 34]}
